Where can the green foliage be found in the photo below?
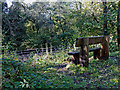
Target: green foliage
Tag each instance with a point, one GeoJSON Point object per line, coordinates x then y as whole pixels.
{"type": "Point", "coordinates": [57, 23]}
{"type": "Point", "coordinates": [54, 71]}
{"type": "Point", "coordinates": [14, 29]}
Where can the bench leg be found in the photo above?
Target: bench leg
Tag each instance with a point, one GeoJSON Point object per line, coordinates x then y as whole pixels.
{"type": "Point", "coordinates": [105, 48]}
{"type": "Point", "coordinates": [96, 54]}
{"type": "Point", "coordinates": [84, 56]}
{"type": "Point", "coordinates": [75, 58]}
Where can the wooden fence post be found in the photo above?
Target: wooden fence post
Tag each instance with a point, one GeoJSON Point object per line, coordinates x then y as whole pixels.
{"type": "Point", "coordinates": [47, 49]}
{"type": "Point", "coordinates": [41, 49]}
{"type": "Point", "coordinates": [50, 48]}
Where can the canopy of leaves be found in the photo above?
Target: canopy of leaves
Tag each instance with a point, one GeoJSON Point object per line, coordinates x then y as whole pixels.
{"type": "Point", "coordinates": [57, 23]}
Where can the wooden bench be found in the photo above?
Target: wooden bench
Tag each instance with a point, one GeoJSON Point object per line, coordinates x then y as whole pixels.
{"type": "Point", "coordinates": [82, 57]}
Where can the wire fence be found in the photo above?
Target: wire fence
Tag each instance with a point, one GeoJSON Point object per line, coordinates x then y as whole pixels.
{"type": "Point", "coordinates": [47, 50]}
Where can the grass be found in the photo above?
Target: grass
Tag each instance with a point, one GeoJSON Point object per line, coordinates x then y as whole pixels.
{"type": "Point", "coordinates": [56, 71]}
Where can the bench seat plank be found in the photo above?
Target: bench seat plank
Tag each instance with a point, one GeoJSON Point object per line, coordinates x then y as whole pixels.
{"type": "Point", "coordinates": [91, 49]}
{"type": "Point", "coordinates": [73, 53]}
{"type": "Point", "coordinates": [94, 49]}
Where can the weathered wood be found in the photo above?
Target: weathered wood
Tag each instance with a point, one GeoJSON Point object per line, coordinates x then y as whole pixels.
{"type": "Point", "coordinates": [75, 57]}
{"type": "Point", "coordinates": [79, 42]}
{"type": "Point", "coordinates": [97, 53]}
{"type": "Point", "coordinates": [105, 47]}
{"type": "Point", "coordinates": [73, 53]}
{"type": "Point", "coordinates": [95, 40]}
{"type": "Point", "coordinates": [82, 56]}
{"type": "Point", "coordinates": [94, 49]}
{"type": "Point", "coordinates": [84, 52]}
{"type": "Point", "coordinates": [92, 40]}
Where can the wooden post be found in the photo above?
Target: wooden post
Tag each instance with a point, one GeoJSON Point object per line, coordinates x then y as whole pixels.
{"type": "Point", "coordinates": [97, 54]}
{"type": "Point", "coordinates": [75, 58]}
{"type": "Point", "coordinates": [84, 52]}
{"type": "Point", "coordinates": [51, 49]}
{"type": "Point", "coordinates": [47, 49]}
{"type": "Point", "coordinates": [105, 47]}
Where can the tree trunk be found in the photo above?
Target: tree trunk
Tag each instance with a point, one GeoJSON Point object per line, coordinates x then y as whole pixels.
{"type": "Point", "coordinates": [118, 24]}
{"type": "Point", "coordinates": [105, 17]}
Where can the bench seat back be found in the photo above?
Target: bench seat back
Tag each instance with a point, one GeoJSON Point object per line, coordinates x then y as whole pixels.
{"type": "Point", "coordinates": [90, 40]}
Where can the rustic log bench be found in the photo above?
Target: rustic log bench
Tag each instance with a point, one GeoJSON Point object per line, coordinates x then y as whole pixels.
{"type": "Point", "coordinates": [82, 56]}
